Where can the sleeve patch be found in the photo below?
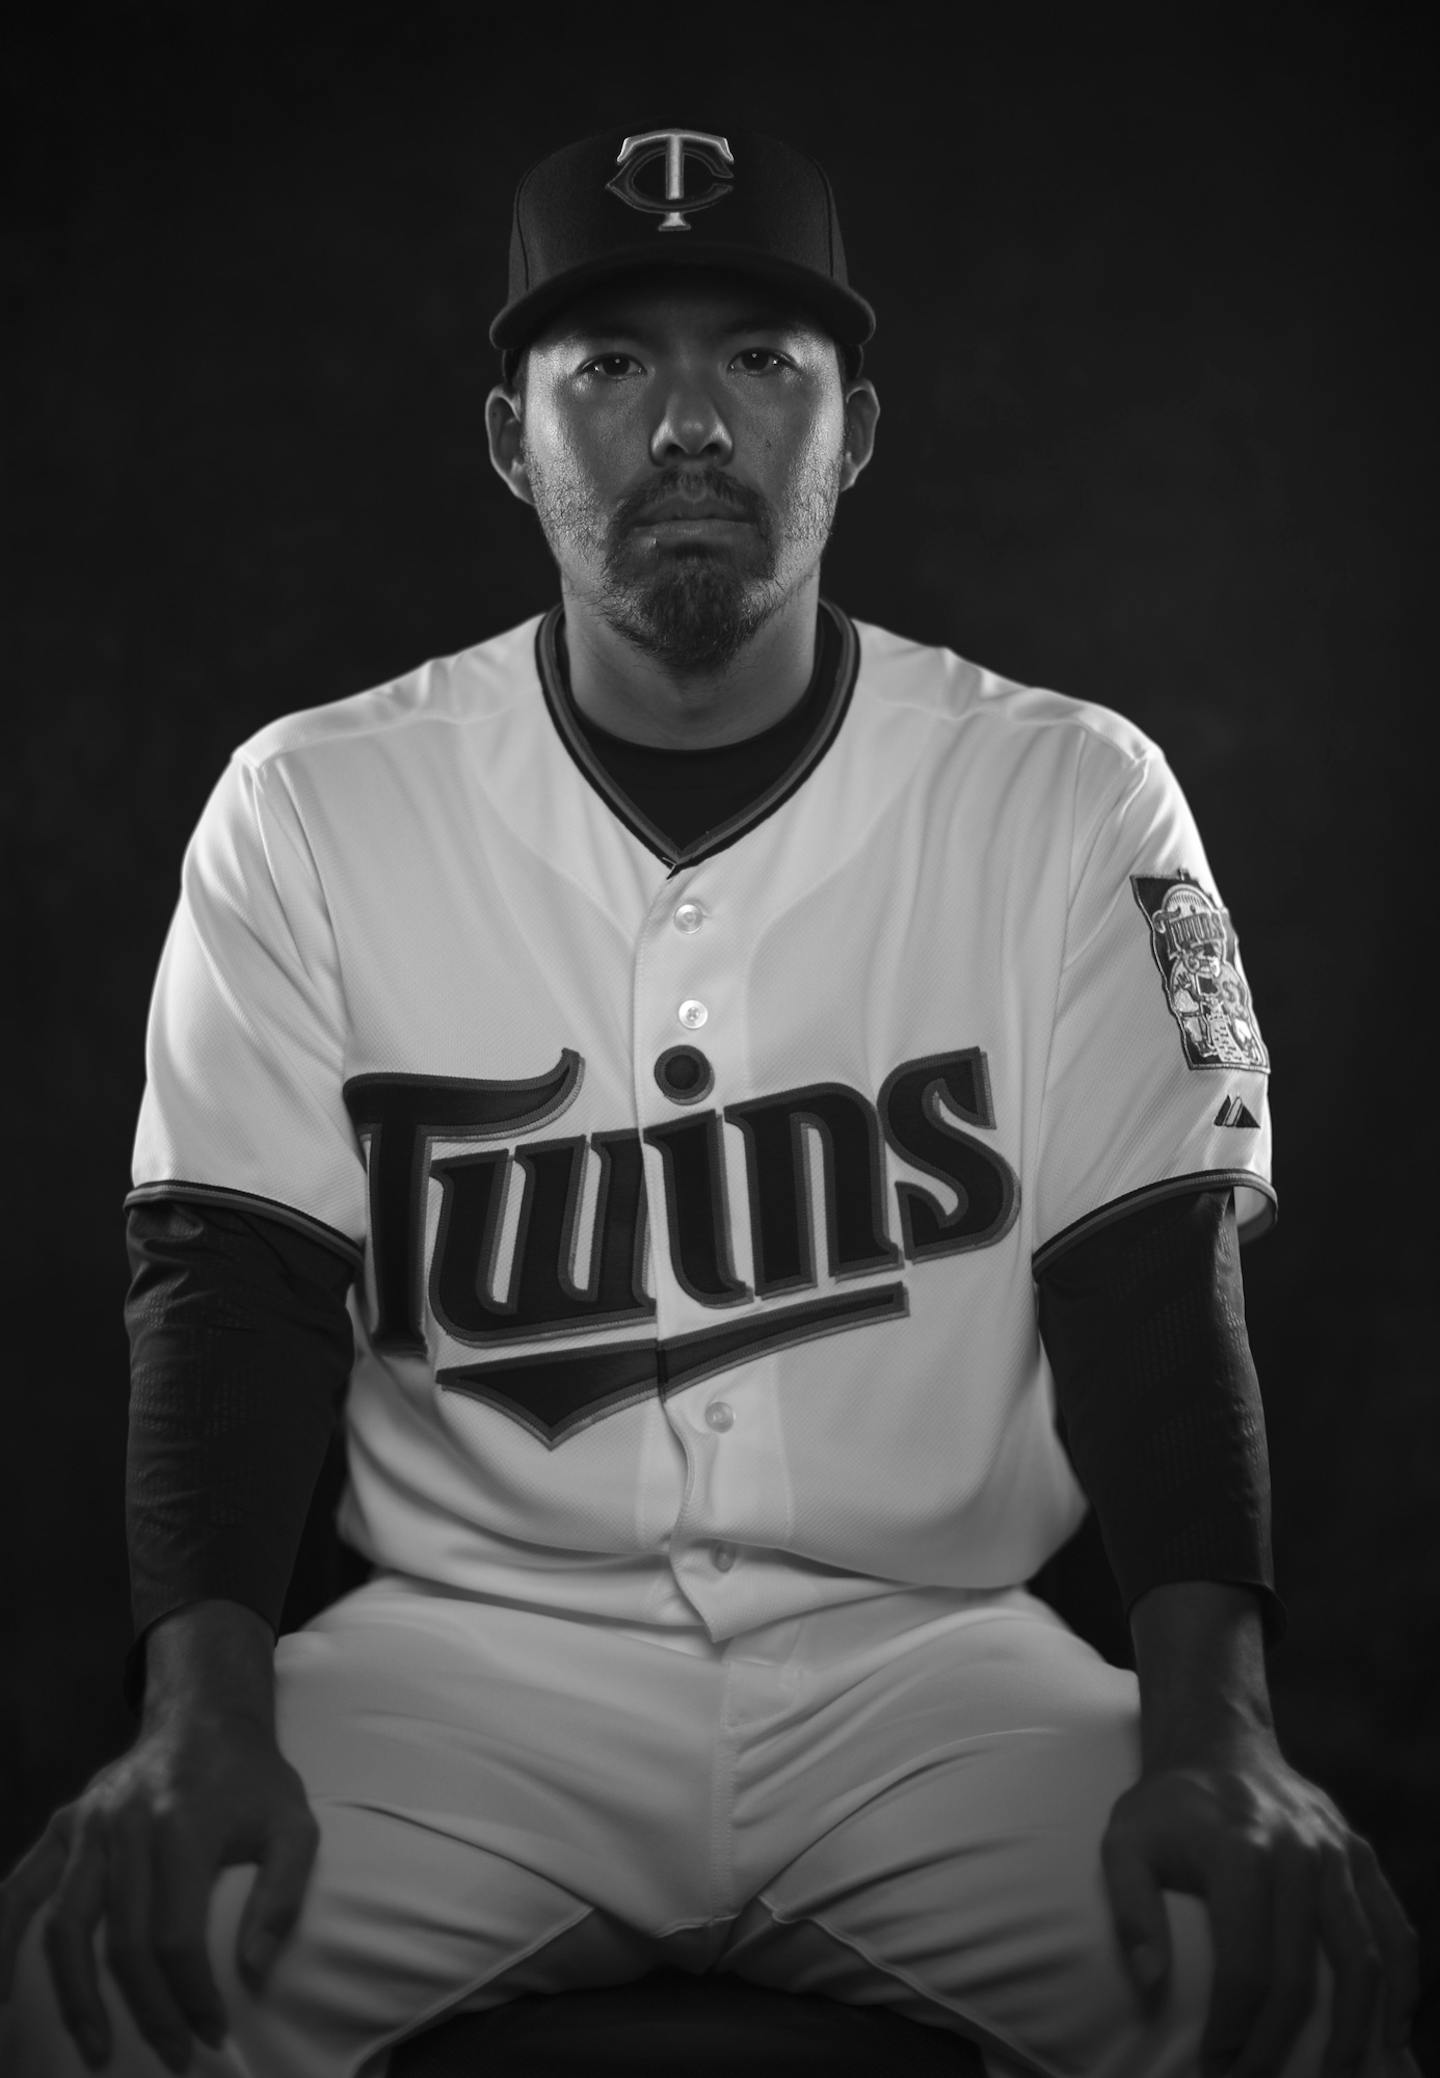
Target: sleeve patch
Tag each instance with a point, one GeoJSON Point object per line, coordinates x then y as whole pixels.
{"type": "Point", "coordinates": [1206, 992]}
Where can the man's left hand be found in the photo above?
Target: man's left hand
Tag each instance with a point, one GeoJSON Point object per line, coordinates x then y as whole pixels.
{"type": "Point", "coordinates": [1283, 1877]}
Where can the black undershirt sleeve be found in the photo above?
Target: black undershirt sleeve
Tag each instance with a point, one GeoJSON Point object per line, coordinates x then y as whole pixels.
{"type": "Point", "coordinates": [240, 1351]}
{"type": "Point", "coordinates": [1144, 1325]}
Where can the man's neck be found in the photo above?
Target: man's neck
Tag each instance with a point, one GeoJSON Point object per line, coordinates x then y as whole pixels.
{"type": "Point", "coordinates": [632, 695]}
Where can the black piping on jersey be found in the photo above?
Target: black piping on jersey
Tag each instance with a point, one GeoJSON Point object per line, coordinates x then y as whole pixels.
{"type": "Point", "coordinates": [837, 652]}
{"type": "Point", "coordinates": [250, 1201]}
{"type": "Point", "coordinates": [1151, 1193]}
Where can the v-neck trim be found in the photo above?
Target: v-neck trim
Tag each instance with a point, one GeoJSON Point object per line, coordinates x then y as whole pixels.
{"type": "Point", "coordinates": [842, 670]}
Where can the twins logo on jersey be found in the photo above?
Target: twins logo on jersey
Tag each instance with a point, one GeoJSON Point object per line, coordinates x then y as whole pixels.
{"type": "Point", "coordinates": [556, 1273]}
{"type": "Point", "coordinates": [1195, 949]}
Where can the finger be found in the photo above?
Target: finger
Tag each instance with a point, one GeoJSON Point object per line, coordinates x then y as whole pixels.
{"type": "Point", "coordinates": [129, 1943]}
{"type": "Point", "coordinates": [32, 1880]}
{"type": "Point", "coordinates": [69, 1938]}
{"type": "Point", "coordinates": [1396, 1940]}
{"type": "Point", "coordinates": [1138, 1910]}
{"type": "Point", "coordinates": [1294, 1950]}
{"type": "Point", "coordinates": [1358, 1976]}
{"type": "Point", "coordinates": [180, 1916]}
{"type": "Point", "coordinates": [276, 1896]}
{"type": "Point", "coordinates": [1240, 1909]}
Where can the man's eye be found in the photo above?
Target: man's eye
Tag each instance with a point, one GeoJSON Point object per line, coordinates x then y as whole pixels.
{"type": "Point", "coordinates": [759, 360]}
{"type": "Point", "coordinates": [610, 365]}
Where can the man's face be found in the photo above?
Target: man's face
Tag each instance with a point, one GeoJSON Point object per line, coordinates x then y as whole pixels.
{"type": "Point", "coordinates": [683, 440]}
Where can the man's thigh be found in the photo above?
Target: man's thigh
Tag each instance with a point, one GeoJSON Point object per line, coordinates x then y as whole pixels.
{"type": "Point", "coordinates": [960, 1786]}
{"type": "Point", "coordinates": [400, 1927]}
{"type": "Point", "coordinates": [579, 1750]}
{"type": "Point", "coordinates": [503, 1798]}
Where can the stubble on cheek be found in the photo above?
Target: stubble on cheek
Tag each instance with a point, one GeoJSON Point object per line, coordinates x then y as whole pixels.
{"type": "Point", "coordinates": [572, 517]}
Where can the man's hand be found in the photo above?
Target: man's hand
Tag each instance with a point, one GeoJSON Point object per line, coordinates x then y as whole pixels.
{"type": "Point", "coordinates": [140, 1849]}
{"type": "Point", "coordinates": [1283, 1877]}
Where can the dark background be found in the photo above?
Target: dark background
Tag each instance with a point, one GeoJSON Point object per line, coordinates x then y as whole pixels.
{"type": "Point", "coordinates": [1156, 358]}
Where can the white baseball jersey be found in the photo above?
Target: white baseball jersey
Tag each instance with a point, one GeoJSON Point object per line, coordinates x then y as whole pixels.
{"type": "Point", "coordinates": [698, 1204]}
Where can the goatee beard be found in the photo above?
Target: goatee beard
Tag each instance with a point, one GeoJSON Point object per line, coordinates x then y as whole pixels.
{"type": "Point", "coordinates": [694, 616]}
{"type": "Point", "coordinates": [691, 608]}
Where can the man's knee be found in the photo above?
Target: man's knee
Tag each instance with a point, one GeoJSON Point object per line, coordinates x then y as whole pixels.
{"type": "Point", "coordinates": [36, 2043]}
{"type": "Point", "coordinates": [1192, 1988]}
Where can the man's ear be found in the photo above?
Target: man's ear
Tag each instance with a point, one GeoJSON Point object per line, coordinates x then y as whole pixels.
{"type": "Point", "coordinates": [862, 409]}
{"type": "Point", "coordinates": [505, 429]}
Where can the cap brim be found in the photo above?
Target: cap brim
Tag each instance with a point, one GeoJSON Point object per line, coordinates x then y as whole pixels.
{"type": "Point", "coordinates": [843, 313]}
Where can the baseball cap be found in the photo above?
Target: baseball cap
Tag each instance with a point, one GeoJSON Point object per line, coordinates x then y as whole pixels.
{"type": "Point", "coordinates": [622, 201]}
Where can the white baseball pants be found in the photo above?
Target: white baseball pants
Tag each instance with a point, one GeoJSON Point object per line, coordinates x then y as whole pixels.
{"type": "Point", "coordinates": [897, 1801]}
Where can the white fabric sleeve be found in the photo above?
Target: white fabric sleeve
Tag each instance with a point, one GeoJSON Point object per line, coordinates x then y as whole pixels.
{"type": "Point", "coordinates": [1158, 1075]}
{"type": "Point", "coordinates": [245, 1050]}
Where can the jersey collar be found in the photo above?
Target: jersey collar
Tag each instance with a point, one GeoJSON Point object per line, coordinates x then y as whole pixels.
{"type": "Point", "coordinates": [837, 658]}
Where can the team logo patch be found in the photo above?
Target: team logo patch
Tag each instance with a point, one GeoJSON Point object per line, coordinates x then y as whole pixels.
{"type": "Point", "coordinates": [1206, 992]}
{"type": "Point", "coordinates": [664, 193]}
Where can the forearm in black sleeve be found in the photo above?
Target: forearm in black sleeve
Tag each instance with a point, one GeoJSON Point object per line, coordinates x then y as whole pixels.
{"type": "Point", "coordinates": [1144, 1325]}
{"type": "Point", "coordinates": [240, 1351]}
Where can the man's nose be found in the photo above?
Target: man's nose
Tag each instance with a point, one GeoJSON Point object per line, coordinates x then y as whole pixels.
{"type": "Point", "coordinates": [691, 424]}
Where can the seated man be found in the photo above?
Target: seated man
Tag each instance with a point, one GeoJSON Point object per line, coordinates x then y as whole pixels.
{"type": "Point", "coordinates": [715, 1087]}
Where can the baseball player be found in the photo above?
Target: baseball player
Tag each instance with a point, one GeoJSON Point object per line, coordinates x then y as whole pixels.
{"type": "Point", "coordinates": [753, 1115]}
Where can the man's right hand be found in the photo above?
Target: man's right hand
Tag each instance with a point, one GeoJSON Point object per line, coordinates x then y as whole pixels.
{"type": "Point", "coordinates": [140, 1849]}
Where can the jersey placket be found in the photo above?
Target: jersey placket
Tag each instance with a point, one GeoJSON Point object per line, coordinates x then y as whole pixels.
{"type": "Point", "coordinates": [689, 1049]}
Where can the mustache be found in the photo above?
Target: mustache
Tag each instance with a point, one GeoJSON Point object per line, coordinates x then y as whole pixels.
{"type": "Point", "coordinates": [635, 507]}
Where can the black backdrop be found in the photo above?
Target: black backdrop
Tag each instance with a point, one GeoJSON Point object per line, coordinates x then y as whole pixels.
{"type": "Point", "coordinates": [1154, 356]}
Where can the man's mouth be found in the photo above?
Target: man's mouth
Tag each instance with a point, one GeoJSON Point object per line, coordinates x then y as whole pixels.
{"type": "Point", "coordinates": [686, 510]}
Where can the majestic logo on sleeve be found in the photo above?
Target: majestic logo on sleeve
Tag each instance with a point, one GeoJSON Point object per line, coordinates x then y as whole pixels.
{"type": "Point", "coordinates": [673, 202]}
{"type": "Point", "coordinates": [1208, 996]}
{"type": "Point", "coordinates": [542, 1238]}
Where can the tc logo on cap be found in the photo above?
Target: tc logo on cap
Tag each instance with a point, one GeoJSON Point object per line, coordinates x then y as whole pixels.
{"type": "Point", "coordinates": [674, 147]}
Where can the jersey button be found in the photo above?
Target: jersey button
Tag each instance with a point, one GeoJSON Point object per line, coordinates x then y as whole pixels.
{"type": "Point", "coordinates": [688, 917]}
{"type": "Point", "coordinates": [722, 1557]}
{"type": "Point", "coordinates": [692, 1014]}
{"type": "Point", "coordinates": [684, 1074]}
{"type": "Point", "coordinates": [720, 1414]}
